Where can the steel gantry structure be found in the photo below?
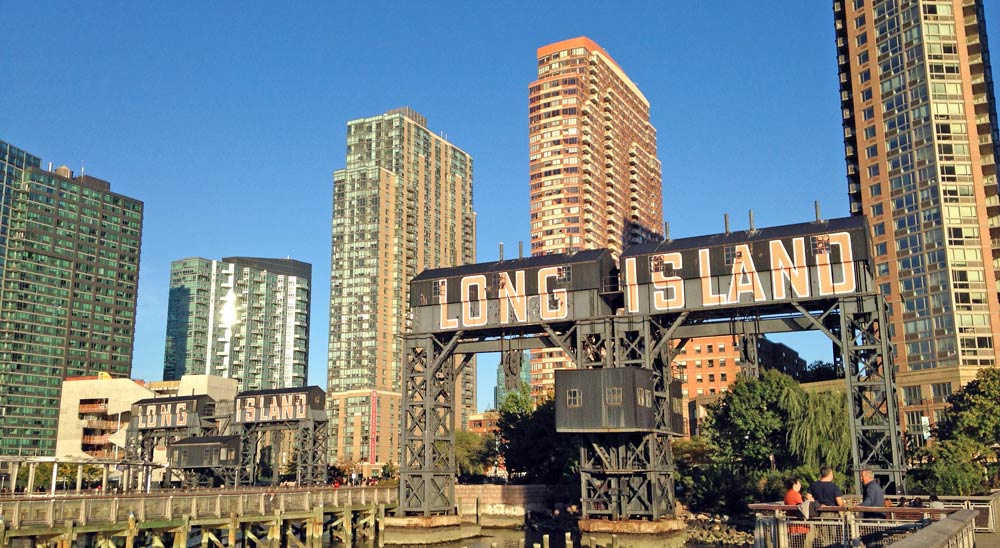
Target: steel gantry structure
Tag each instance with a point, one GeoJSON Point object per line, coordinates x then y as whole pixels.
{"type": "Point", "coordinates": [635, 317]}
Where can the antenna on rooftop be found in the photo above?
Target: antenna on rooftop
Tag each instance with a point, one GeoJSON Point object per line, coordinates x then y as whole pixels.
{"type": "Point", "coordinates": [725, 222]}
{"type": "Point", "coordinates": [501, 251]}
{"type": "Point", "coordinates": [752, 227]}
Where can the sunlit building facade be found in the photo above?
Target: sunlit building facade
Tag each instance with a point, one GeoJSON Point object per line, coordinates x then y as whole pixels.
{"type": "Point", "coordinates": [920, 134]}
{"type": "Point", "coordinates": [67, 297]}
{"type": "Point", "coordinates": [241, 318]}
{"type": "Point", "coordinates": [595, 179]}
{"type": "Point", "coordinates": [402, 204]}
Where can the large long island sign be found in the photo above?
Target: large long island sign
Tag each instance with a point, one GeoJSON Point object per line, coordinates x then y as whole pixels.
{"type": "Point", "coordinates": [795, 262]}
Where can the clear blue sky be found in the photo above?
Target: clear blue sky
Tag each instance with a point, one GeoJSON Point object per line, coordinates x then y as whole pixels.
{"type": "Point", "coordinates": [228, 118]}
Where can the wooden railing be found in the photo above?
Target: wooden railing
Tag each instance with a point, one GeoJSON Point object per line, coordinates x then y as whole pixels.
{"type": "Point", "coordinates": [170, 505]}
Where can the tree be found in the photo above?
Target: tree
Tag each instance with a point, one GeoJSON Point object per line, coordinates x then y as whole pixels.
{"type": "Point", "coordinates": [468, 448]}
{"type": "Point", "coordinates": [817, 429]}
{"type": "Point", "coordinates": [974, 412]}
{"type": "Point", "coordinates": [952, 467]}
{"type": "Point", "coordinates": [530, 445]}
{"type": "Point", "coordinates": [748, 426]}
{"type": "Point", "coordinates": [772, 423]}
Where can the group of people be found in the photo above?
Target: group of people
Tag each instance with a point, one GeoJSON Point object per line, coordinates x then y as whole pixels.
{"type": "Point", "coordinates": [824, 492]}
{"type": "Point", "coordinates": [827, 493]}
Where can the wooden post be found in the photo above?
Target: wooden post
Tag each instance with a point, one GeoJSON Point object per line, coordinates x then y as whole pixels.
{"type": "Point", "coordinates": [131, 532]}
{"type": "Point", "coordinates": [79, 478]}
{"type": "Point", "coordinates": [66, 539]}
{"type": "Point", "coordinates": [104, 479]}
{"type": "Point", "coordinates": [545, 541]}
{"type": "Point", "coordinates": [55, 471]}
{"type": "Point", "coordinates": [380, 526]}
{"type": "Point", "coordinates": [204, 538]}
{"type": "Point", "coordinates": [274, 532]}
{"type": "Point", "coordinates": [614, 541]}
{"type": "Point", "coordinates": [234, 523]}
{"type": "Point", "coordinates": [32, 467]}
{"type": "Point", "coordinates": [181, 533]}
{"type": "Point", "coordinates": [13, 477]}
{"type": "Point", "coordinates": [568, 543]}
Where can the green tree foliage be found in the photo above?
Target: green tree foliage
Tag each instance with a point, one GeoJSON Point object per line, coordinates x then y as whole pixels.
{"type": "Point", "coordinates": [817, 431]}
{"type": "Point", "coordinates": [951, 467]}
{"type": "Point", "coordinates": [974, 412]}
{"type": "Point", "coordinates": [760, 433]}
{"type": "Point", "coordinates": [962, 460]}
{"type": "Point", "coordinates": [530, 446]}
{"type": "Point", "coordinates": [771, 422]}
{"type": "Point", "coordinates": [468, 450]}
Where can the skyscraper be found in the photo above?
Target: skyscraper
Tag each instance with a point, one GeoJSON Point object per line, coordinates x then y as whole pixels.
{"type": "Point", "coordinates": [13, 162]}
{"type": "Point", "coordinates": [67, 303]}
{"type": "Point", "coordinates": [241, 318]}
{"type": "Point", "coordinates": [402, 204]}
{"type": "Point", "coordinates": [921, 142]}
{"type": "Point", "coordinates": [594, 175]}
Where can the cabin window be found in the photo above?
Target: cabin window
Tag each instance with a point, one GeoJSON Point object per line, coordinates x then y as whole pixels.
{"type": "Point", "coordinates": [613, 395]}
{"type": "Point", "coordinates": [574, 398]}
{"type": "Point", "coordinates": [564, 274]}
{"type": "Point", "coordinates": [731, 254]}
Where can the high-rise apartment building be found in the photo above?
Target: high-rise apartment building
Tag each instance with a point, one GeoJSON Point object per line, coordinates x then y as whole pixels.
{"type": "Point", "coordinates": [401, 205]}
{"type": "Point", "coordinates": [67, 297]}
{"type": "Point", "coordinates": [241, 318]}
{"type": "Point", "coordinates": [13, 162]}
{"type": "Point", "coordinates": [594, 175]}
{"type": "Point", "coordinates": [921, 142]}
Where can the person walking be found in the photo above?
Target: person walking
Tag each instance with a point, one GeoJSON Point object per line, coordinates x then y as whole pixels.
{"type": "Point", "coordinates": [872, 494]}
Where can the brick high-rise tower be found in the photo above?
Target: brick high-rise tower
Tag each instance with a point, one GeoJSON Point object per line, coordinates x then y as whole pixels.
{"type": "Point", "coordinates": [920, 138]}
{"type": "Point", "coordinates": [595, 178]}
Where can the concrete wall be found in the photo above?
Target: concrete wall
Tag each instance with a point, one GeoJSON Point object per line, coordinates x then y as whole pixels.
{"type": "Point", "coordinates": [511, 501]}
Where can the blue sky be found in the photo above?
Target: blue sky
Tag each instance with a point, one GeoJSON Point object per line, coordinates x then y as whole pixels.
{"type": "Point", "coordinates": [228, 118]}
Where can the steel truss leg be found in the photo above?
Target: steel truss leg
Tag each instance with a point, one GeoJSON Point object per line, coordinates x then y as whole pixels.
{"type": "Point", "coordinates": [630, 476]}
{"type": "Point", "coordinates": [427, 470]}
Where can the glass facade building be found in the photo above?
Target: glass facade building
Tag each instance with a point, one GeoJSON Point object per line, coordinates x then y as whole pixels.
{"type": "Point", "coordinates": [921, 143]}
{"type": "Point", "coordinates": [595, 180]}
{"type": "Point", "coordinates": [67, 297]}
{"type": "Point", "coordinates": [13, 162]}
{"type": "Point", "coordinates": [402, 204]}
{"type": "Point", "coordinates": [241, 318]}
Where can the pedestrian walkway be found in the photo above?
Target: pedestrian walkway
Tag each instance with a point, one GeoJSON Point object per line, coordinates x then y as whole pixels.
{"type": "Point", "coordinates": [987, 540]}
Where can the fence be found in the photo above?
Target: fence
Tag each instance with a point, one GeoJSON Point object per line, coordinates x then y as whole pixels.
{"type": "Point", "coordinates": [779, 526]}
{"type": "Point", "coordinates": [169, 506]}
{"type": "Point", "coordinates": [988, 520]}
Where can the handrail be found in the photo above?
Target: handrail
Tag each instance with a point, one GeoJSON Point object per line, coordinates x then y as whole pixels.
{"type": "Point", "coordinates": [171, 505]}
{"type": "Point", "coordinates": [957, 526]}
{"type": "Point", "coordinates": [898, 511]}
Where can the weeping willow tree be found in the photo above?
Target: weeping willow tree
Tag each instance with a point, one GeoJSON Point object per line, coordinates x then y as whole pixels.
{"type": "Point", "coordinates": [771, 422]}
{"type": "Point", "coordinates": [817, 432]}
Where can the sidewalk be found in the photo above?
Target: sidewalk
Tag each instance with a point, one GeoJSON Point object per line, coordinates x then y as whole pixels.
{"type": "Point", "coordinates": [987, 540]}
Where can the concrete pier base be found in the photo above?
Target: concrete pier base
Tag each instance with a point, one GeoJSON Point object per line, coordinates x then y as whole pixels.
{"type": "Point", "coordinates": [665, 533]}
{"type": "Point", "coordinates": [426, 530]}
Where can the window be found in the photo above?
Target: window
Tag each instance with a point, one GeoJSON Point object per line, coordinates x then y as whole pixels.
{"type": "Point", "coordinates": [869, 132]}
{"type": "Point", "coordinates": [871, 152]}
{"type": "Point", "coordinates": [864, 77]}
{"type": "Point", "coordinates": [574, 398]}
{"type": "Point", "coordinates": [941, 391]}
{"type": "Point", "coordinates": [912, 395]}
{"type": "Point", "coordinates": [613, 396]}
{"type": "Point", "coordinates": [873, 170]}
